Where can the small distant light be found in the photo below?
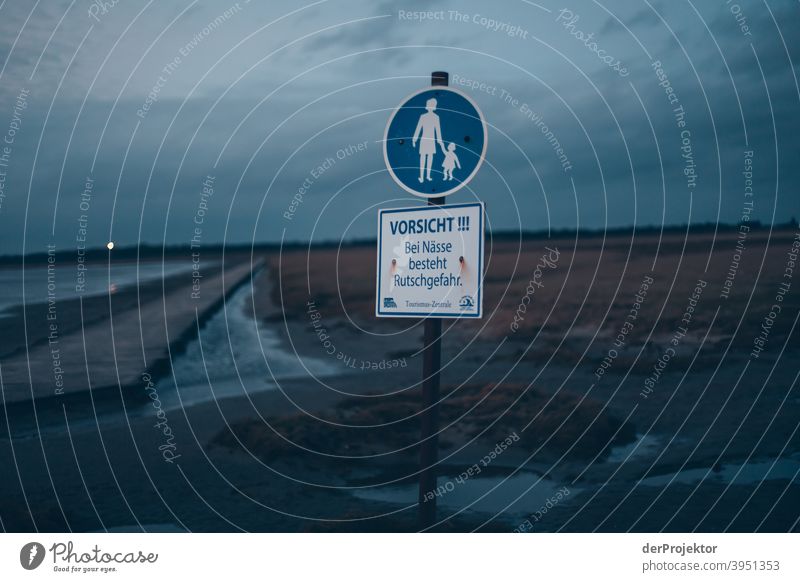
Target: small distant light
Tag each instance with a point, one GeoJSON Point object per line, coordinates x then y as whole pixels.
{"type": "Point", "coordinates": [110, 245]}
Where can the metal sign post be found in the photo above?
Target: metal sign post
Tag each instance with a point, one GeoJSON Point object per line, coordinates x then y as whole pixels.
{"type": "Point", "coordinates": [434, 143]}
{"type": "Point", "coordinates": [431, 364]}
{"type": "Point", "coordinates": [429, 422]}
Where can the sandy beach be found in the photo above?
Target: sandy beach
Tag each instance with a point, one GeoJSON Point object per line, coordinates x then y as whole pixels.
{"type": "Point", "coordinates": [589, 439]}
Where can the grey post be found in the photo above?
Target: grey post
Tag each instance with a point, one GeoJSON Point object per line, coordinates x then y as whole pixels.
{"type": "Point", "coordinates": [431, 363]}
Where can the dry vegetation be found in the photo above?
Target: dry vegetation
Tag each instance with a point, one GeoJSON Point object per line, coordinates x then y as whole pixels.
{"type": "Point", "coordinates": [590, 291]}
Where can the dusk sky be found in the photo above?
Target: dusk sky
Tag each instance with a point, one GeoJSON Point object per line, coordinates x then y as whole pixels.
{"type": "Point", "coordinates": [148, 100]}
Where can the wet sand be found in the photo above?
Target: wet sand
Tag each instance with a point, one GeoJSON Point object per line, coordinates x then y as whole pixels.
{"type": "Point", "coordinates": [65, 347]}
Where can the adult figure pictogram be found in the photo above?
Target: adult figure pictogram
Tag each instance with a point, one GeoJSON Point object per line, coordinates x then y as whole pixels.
{"type": "Point", "coordinates": [429, 133]}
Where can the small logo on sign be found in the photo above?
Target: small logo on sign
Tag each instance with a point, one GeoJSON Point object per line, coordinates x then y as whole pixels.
{"type": "Point", "coordinates": [388, 302]}
{"type": "Point", "coordinates": [31, 555]}
{"type": "Point", "coordinates": [466, 302]}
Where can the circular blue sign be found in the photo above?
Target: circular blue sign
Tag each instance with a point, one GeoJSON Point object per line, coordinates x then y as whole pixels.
{"type": "Point", "coordinates": [435, 142]}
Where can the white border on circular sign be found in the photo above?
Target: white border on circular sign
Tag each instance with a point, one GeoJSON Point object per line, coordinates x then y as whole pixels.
{"type": "Point", "coordinates": [462, 183]}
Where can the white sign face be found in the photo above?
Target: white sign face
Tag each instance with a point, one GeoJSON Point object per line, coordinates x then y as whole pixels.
{"type": "Point", "coordinates": [430, 261]}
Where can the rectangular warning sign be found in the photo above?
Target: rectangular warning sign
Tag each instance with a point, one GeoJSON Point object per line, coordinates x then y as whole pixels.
{"type": "Point", "coordinates": [430, 261]}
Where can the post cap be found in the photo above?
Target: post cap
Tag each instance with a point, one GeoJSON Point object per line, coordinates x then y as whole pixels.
{"type": "Point", "coordinates": [440, 78]}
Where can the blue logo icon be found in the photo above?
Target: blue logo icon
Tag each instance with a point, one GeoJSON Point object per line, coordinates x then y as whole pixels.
{"type": "Point", "coordinates": [435, 142]}
{"type": "Point", "coordinates": [388, 302]}
{"type": "Point", "coordinates": [466, 302]}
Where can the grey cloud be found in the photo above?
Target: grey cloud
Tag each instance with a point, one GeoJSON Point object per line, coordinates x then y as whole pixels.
{"type": "Point", "coordinates": [411, 67]}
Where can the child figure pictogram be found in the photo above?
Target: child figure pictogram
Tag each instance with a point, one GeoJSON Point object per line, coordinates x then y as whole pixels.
{"type": "Point", "coordinates": [450, 162]}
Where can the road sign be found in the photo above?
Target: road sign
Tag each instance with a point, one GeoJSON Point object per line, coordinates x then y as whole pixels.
{"type": "Point", "coordinates": [435, 142]}
{"type": "Point", "coordinates": [430, 261]}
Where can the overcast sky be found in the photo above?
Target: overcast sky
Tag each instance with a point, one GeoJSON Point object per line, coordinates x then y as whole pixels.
{"type": "Point", "coordinates": [257, 95]}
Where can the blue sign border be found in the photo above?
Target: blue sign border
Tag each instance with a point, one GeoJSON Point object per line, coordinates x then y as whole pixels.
{"type": "Point", "coordinates": [379, 313]}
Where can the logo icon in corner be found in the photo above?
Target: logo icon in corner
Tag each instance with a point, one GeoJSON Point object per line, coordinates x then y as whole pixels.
{"type": "Point", "coordinates": [388, 303]}
{"type": "Point", "coordinates": [466, 302]}
{"type": "Point", "coordinates": [31, 555]}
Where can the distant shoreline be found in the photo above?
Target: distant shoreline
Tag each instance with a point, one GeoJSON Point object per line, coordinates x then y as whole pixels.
{"type": "Point", "coordinates": [171, 252]}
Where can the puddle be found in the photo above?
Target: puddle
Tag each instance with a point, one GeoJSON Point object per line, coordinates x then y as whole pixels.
{"type": "Point", "coordinates": [737, 474]}
{"type": "Point", "coordinates": [466, 494]}
{"type": "Point", "coordinates": [240, 356]}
